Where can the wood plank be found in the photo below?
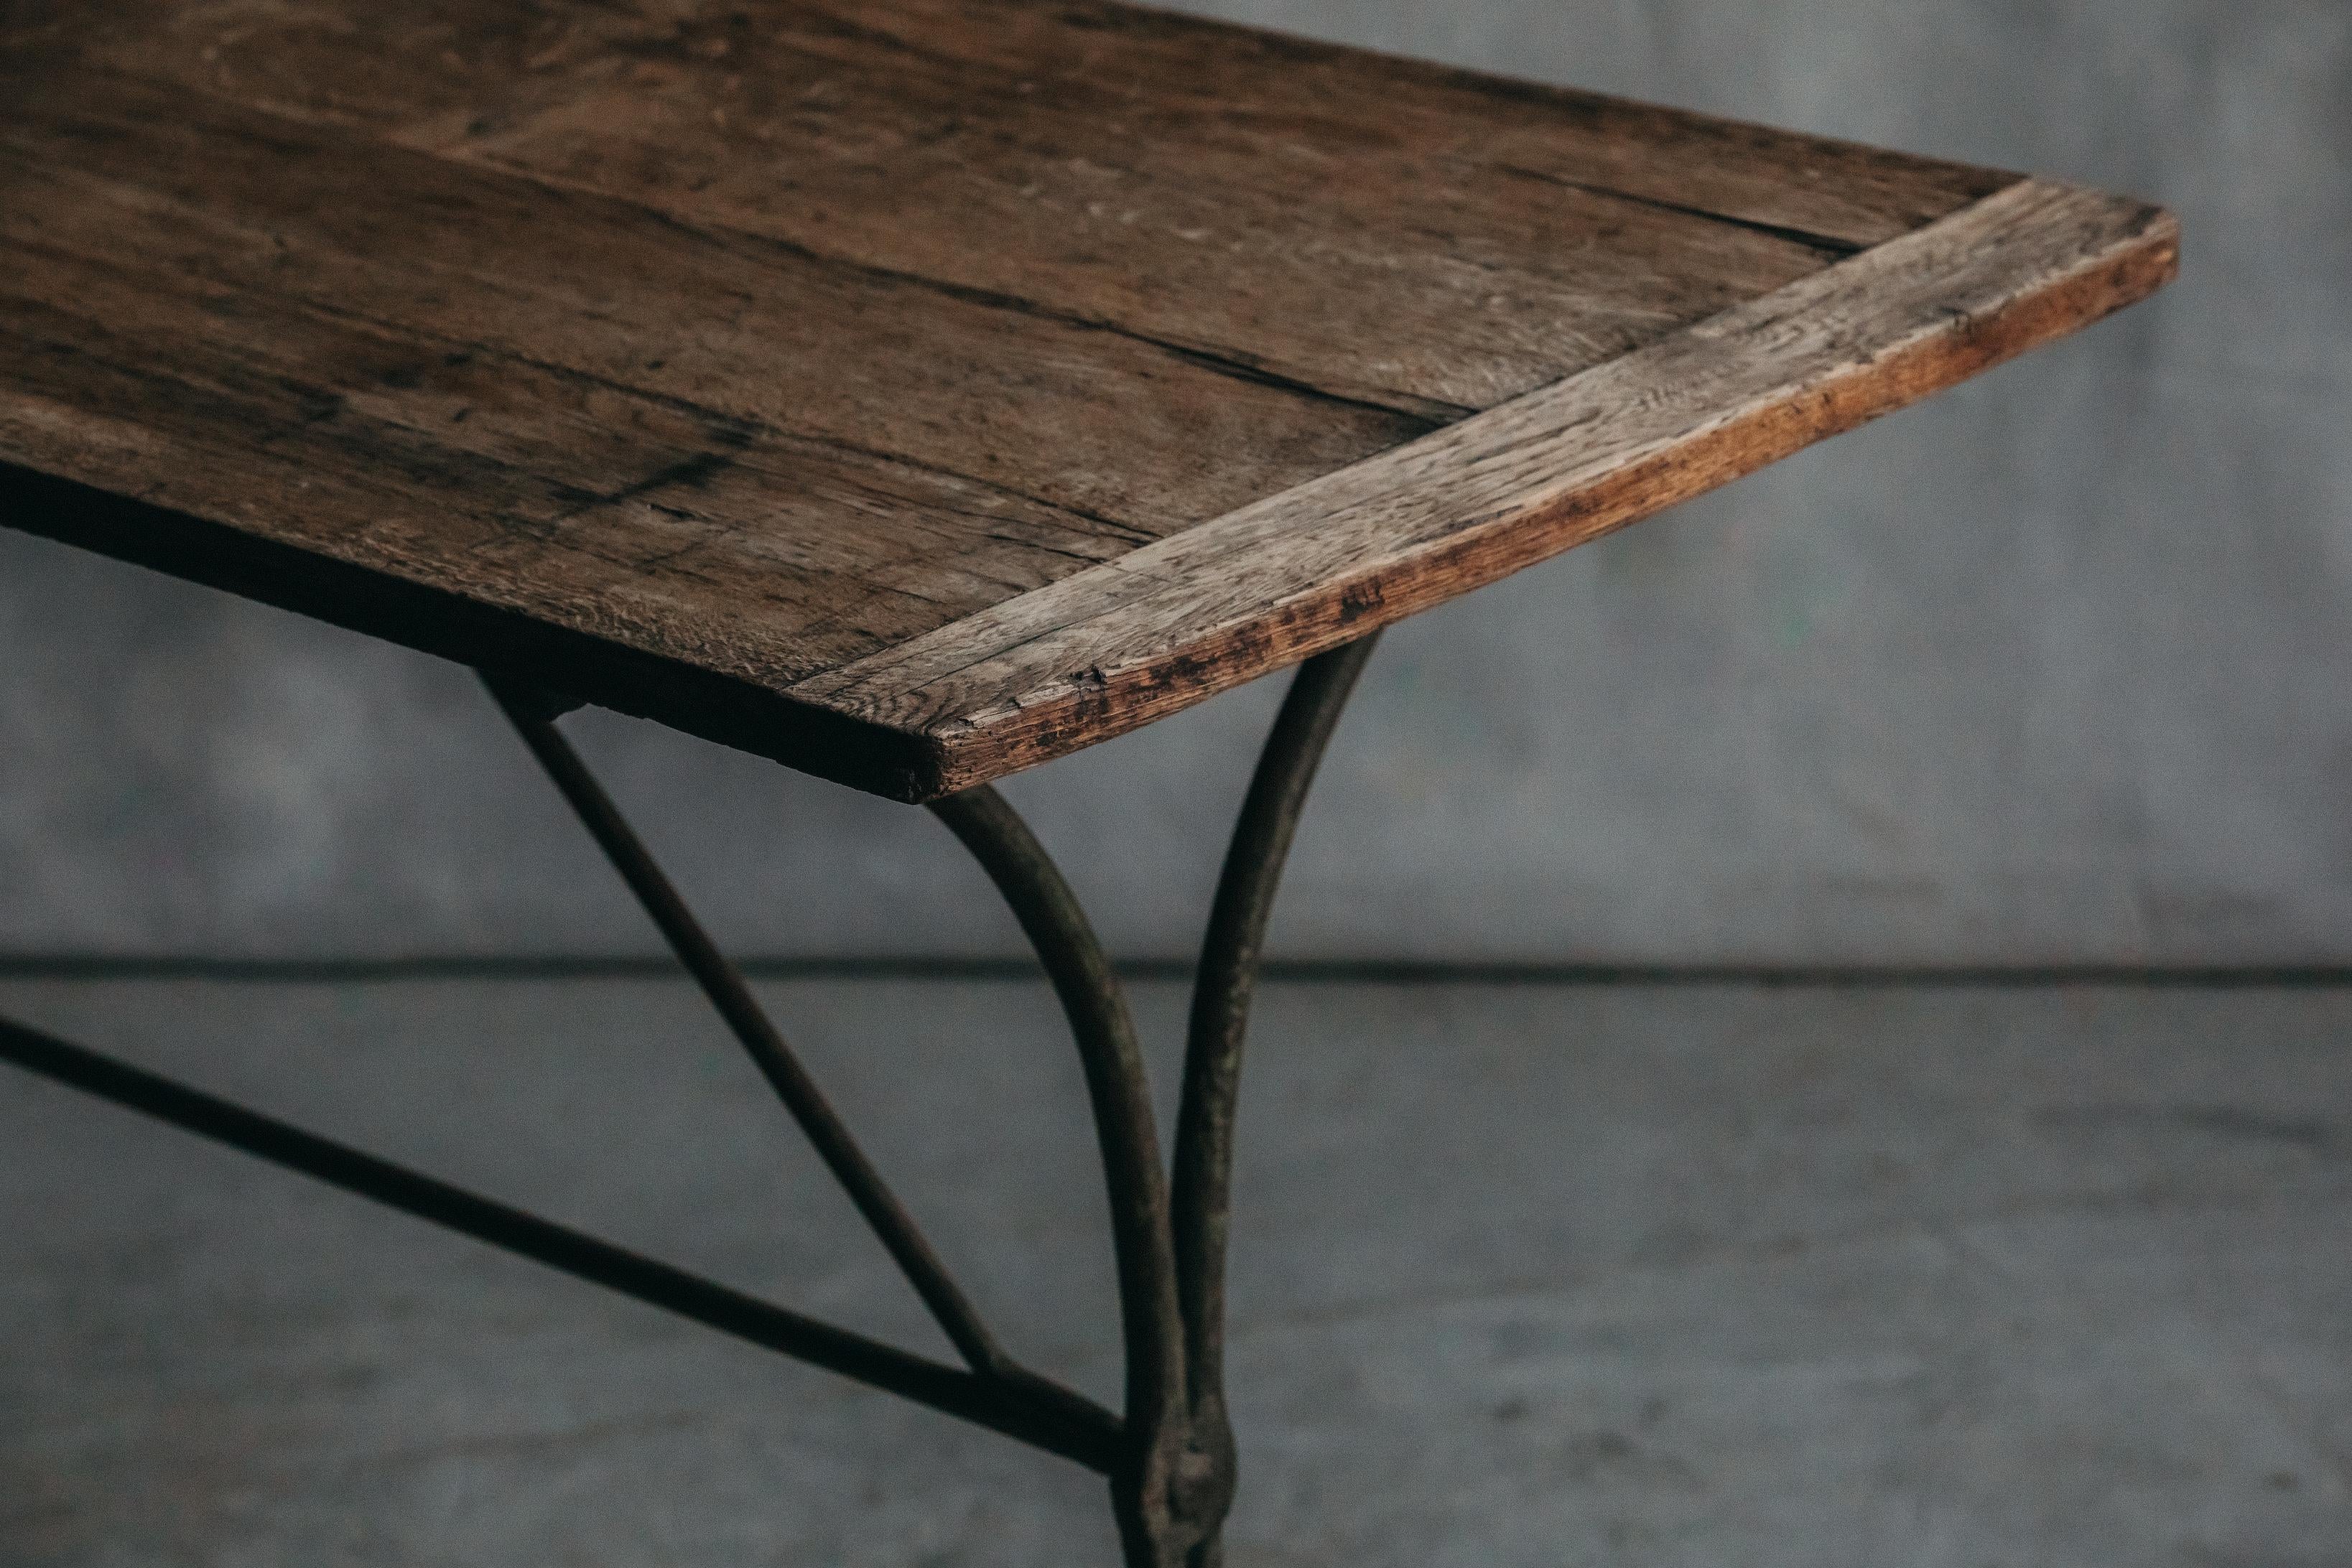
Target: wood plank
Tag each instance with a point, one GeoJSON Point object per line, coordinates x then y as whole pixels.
{"type": "Point", "coordinates": [554, 494]}
{"type": "Point", "coordinates": [1088, 421]}
{"type": "Point", "coordinates": [1108, 649]}
{"type": "Point", "coordinates": [1115, 64]}
{"type": "Point", "coordinates": [1419, 238]}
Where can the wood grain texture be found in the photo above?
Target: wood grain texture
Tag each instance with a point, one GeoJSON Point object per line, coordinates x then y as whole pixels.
{"type": "Point", "coordinates": [914, 395]}
{"type": "Point", "coordinates": [1251, 198]}
{"type": "Point", "coordinates": [1277, 581]}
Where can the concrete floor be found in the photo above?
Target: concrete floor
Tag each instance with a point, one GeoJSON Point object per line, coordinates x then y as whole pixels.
{"type": "Point", "coordinates": [1524, 1275]}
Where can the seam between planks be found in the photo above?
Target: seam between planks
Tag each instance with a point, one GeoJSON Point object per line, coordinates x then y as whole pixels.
{"type": "Point", "coordinates": [1117, 645]}
{"type": "Point", "coordinates": [1221, 359]}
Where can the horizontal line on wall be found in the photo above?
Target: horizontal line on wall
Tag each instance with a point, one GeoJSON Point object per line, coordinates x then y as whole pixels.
{"type": "Point", "coordinates": [1295, 971]}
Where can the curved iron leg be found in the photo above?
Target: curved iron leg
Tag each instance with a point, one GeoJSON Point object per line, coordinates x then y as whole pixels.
{"type": "Point", "coordinates": [1142, 1487]}
{"type": "Point", "coordinates": [1221, 989]}
{"type": "Point", "coordinates": [1171, 1460]}
{"type": "Point", "coordinates": [1172, 1492]}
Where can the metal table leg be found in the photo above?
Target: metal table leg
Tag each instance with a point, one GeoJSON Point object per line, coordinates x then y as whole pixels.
{"type": "Point", "coordinates": [1169, 1457]}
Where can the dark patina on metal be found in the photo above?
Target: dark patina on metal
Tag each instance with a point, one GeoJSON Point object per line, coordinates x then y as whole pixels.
{"type": "Point", "coordinates": [1169, 1457]}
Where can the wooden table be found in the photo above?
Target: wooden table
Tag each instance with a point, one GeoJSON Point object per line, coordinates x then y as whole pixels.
{"type": "Point", "coordinates": [913, 394]}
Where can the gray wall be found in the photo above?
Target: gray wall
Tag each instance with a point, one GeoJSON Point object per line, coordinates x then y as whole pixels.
{"type": "Point", "coordinates": [2048, 670]}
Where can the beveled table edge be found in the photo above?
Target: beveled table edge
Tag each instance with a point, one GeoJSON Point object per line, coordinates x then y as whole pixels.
{"type": "Point", "coordinates": [1117, 645]}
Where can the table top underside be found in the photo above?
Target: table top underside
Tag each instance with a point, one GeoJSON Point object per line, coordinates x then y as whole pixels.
{"type": "Point", "coordinates": [915, 393]}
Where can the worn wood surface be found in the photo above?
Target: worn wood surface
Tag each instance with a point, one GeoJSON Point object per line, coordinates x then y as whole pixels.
{"type": "Point", "coordinates": [916, 394]}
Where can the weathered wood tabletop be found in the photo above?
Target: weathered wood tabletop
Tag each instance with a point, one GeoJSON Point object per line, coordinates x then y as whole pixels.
{"type": "Point", "coordinates": [913, 393]}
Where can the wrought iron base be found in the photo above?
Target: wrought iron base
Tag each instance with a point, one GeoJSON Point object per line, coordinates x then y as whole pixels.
{"type": "Point", "coordinates": [1170, 1456]}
